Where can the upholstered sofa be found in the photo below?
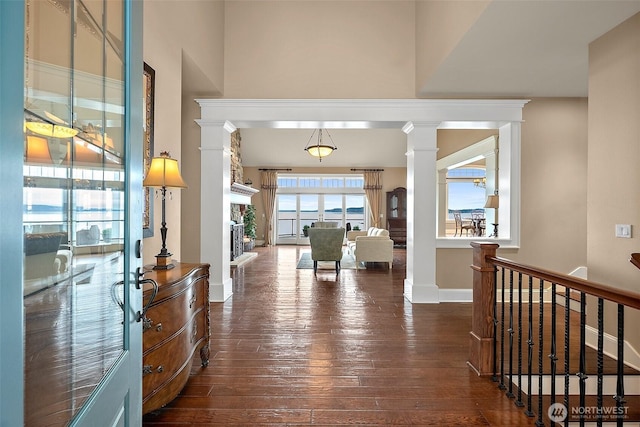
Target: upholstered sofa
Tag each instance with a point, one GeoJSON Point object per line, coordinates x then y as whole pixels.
{"type": "Point", "coordinates": [373, 245]}
{"type": "Point", "coordinates": [46, 254]}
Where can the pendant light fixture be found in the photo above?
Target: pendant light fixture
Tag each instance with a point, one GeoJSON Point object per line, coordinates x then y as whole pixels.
{"type": "Point", "coordinates": [319, 149]}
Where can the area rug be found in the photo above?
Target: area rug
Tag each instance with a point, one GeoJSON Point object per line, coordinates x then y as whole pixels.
{"type": "Point", "coordinates": [347, 263]}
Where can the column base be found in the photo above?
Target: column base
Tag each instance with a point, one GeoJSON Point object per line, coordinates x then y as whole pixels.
{"type": "Point", "coordinates": [220, 292]}
{"type": "Point", "coordinates": [421, 294]}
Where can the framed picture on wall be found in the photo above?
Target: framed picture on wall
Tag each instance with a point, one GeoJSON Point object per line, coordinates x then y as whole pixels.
{"type": "Point", "coordinates": [148, 82]}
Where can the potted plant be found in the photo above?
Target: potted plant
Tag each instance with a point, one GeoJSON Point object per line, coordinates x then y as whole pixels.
{"type": "Point", "coordinates": [249, 219]}
{"type": "Point", "coordinates": [356, 228]}
{"type": "Point", "coordinates": [305, 231]}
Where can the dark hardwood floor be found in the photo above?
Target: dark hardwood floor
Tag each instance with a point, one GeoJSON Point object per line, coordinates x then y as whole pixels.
{"type": "Point", "coordinates": [292, 349]}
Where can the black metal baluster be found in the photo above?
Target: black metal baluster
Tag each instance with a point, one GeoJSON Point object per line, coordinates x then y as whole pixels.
{"type": "Point", "coordinates": [494, 378]}
{"type": "Point", "coordinates": [619, 397]}
{"type": "Point", "coordinates": [518, 401]}
{"type": "Point", "coordinates": [511, 331]}
{"type": "Point", "coordinates": [501, 386]}
{"type": "Point", "coordinates": [600, 362]}
{"type": "Point", "coordinates": [581, 374]}
{"type": "Point", "coordinates": [539, 421]}
{"type": "Point", "coordinates": [553, 356]}
{"type": "Point", "coordinates": [567, 319]}
{"type": "Point", "coordinates": [529, 412]}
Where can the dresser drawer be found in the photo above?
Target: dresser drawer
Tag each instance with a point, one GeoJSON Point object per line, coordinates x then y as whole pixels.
{"type": "Point", "coordinates": [162, 364]}
{"type": "Point", "coordinates": [167, 316]}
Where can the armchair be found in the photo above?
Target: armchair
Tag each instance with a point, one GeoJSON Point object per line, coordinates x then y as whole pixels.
{"type": "Point", "coordinates": [326, 245]}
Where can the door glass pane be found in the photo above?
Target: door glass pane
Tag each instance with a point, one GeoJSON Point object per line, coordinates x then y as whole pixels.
{"type": "Point", "coordinates": [73, 205]}
{"type": "Point", "coordinates": [308, 211]}
{"type": "Point", "coordinates": [333, 208]}
{"type": "Point", "coordinates": [355, 210]}
{"type": "Point", "coordinates": [287, 215]}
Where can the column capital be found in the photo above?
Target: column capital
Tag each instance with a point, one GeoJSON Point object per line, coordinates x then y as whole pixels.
{"type": "Point", "coordinates": [226, 124]}
{"type": "Point", "coordinates": [413, 125]}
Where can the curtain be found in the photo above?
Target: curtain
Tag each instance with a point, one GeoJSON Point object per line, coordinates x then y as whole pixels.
{"type": "Point", "coordinates": [373, 191]}
{"type": "Point", "coordinates": [269, 185]}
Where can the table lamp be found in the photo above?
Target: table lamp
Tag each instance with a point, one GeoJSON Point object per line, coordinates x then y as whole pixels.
{"type": "Point", "coordinates": [164, 173]}
{"type": "Point", "coordinates": [493, 202]}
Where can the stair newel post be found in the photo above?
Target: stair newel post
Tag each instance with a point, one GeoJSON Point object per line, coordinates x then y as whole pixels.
{"type": "Point", "coordinates": [482, 335]}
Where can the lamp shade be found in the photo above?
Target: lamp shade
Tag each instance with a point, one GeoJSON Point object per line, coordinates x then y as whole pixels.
{"type": "Point", "coordinates": [493, 202]}
{"type": "Point", "coordinates": [164, 172]}
{"type": "Point", "coordinates": [45, 150]}
{"type": "Point", "coordinates": [320, 150]}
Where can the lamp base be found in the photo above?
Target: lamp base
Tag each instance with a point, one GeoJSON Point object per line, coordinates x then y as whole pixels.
{"type": "Point", "coordinates": [163, 262]}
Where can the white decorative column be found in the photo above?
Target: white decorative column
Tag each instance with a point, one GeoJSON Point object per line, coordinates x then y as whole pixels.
{"type": "Point", "coordinates": [215, 205]}
{"type": "Point", "coordinates": [420, 283]}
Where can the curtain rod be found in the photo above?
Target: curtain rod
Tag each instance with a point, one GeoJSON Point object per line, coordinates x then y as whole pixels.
{"type": "Point", "coordinates": [261, 169]}
{"type": "Point", "coordinates": [368, 170]}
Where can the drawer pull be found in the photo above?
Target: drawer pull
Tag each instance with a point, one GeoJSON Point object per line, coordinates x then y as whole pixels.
{"type": "Point", "coordinates": [147, 369]}
{"type": "Point", "coordinates": [160, 369]}
{"type": "Point", "coordinates": [159, 327]}
{"type": "Point", "coordinates": [192, 301]}
{"type": "Point", "coordinates": [147, 323]}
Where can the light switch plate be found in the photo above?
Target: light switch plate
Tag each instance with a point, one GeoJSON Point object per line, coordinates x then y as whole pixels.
{"type": "Point", "coordinates": [623, 230]}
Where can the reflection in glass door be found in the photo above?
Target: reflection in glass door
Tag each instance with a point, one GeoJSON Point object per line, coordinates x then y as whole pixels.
{"type": "Point", "coordinates": [74, 218]}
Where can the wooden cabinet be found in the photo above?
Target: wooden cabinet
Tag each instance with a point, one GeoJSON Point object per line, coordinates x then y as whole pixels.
{"type": "Point", "coordinates": [397, 215]}
{"type": "Point", "coordinates": [174, 327]}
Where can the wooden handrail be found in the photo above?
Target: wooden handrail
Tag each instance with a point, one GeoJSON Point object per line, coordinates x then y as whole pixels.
{"type": "Point", "coordinates": [618, 296]}
{"type": "Point", "coordinates": [484, 299]}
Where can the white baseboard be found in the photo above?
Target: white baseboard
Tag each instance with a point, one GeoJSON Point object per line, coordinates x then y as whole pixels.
{"type": "Point", "coordinates": [610, 347]}
{"type": "Point", "coordinates": [455, 295]}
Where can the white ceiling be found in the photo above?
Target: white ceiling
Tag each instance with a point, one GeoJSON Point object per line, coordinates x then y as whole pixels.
{"type": "Point", "coordinates": [516, 49]}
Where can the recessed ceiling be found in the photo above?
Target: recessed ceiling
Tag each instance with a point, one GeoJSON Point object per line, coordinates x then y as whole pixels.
{"type": "Point", "coordinates": [356, 148]}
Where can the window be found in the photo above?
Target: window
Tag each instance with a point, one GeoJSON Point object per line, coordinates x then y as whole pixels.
{"type": "Point", "coordinates": [469, 176]}
{"type": "Point", "coordinates": [303, 200]}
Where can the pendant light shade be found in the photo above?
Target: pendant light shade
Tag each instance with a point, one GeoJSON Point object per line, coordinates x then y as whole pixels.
{"type": "Point", "coordinates": [320, 149]}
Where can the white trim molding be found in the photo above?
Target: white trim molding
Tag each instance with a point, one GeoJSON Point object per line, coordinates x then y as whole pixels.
{"type": "Point", "coordinates": [416, 117]}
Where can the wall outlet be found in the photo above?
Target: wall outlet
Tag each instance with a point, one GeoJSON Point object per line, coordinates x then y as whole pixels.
{"type": "Point", "coordinates": [623, 230]}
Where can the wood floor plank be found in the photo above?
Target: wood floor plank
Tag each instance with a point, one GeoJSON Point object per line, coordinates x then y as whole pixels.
{"type": "Point", "coordinates": [289, 348]}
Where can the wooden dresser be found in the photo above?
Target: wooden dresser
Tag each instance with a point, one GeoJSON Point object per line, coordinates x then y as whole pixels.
{"type": "Point", "coordinates": [175, 326]}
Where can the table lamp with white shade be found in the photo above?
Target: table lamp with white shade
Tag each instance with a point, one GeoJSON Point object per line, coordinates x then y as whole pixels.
{"type": "Point", "coordinates": [493, 202]}
{"type": "Point", "coordinates": [164, 173]}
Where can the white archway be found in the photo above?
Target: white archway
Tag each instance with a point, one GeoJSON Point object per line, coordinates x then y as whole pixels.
{"type": "Point", "coordinates": [419, 119]}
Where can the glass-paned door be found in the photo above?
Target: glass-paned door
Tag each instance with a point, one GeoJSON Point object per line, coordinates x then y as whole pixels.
{"type": "Point", "coordinates": [333, 208]}
{"type": "Point", "coordinates": [355, 211]}
{"type": "Point", "coordinates": [79, 217]}
{"type": "Point", "coordinates": [297, 211]}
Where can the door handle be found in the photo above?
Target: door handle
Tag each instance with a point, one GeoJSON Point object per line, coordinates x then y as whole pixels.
{"type": "Point", "coordinates": [140, 315]}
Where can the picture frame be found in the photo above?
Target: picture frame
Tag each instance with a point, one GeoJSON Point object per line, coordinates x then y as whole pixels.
{"type": "Point", "coordinates": [148, 84]}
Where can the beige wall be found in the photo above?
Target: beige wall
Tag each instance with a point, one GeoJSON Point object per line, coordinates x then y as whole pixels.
{"type": "Point", "coordinates": [175, 35]}
{"type": "Point", "coordinates": [614, 150]}
{"type": "Point", "coordinates": [554, 185]}
{"type": "Point", "coordinates": [319, 49]}
{"type": "Point", "coordinates": [440, 25]}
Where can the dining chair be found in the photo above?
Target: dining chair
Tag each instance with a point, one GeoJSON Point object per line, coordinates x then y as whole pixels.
{"type": "Point", "coordinates": [465, 225]}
